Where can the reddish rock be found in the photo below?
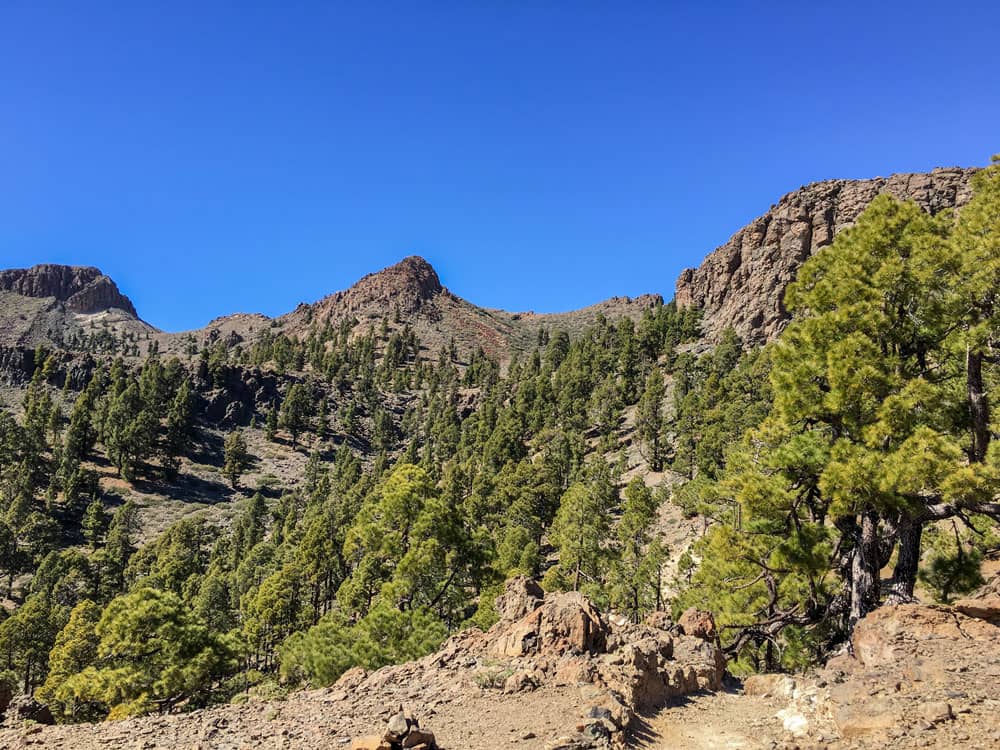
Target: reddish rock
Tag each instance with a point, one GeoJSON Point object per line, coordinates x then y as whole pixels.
{"type": "Point", "coordinates": [565, 623]}
{"type": "Point", "coordinates": [698, 623]}
{"type": "Point", "coordinates": [520, 597]}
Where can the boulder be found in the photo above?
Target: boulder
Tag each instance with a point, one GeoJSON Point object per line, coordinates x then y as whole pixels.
{"type": "Point", "coordinates": [564, 623]}
{"type": "Point", "coordinates": [882, 638]}
{"type": "Point", "coordinates": [26, 708]}
{"type": "Point", "coordinates": [520, 597]}
{"type": "Point", "coordinates": [698, 623]}
{"type": "Point", "coordinates": [769, 686]}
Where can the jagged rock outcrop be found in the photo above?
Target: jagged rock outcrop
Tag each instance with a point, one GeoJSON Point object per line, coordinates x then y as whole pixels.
{"type": "Point", "coordinates": [742, 283]}
{"type": "Point", "coordinates": [81, 289]}
{"type": "Point", "coordinates": [407, 284]}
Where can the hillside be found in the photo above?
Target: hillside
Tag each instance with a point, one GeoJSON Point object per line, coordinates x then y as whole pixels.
{"type": "Point", "coordinates": [392, 496]}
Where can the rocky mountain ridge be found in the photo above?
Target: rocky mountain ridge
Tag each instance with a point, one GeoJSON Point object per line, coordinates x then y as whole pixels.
{"type": "Point", "coordinates": [741, 284]}
{"type": "Point", "coordinates": [81, 289]}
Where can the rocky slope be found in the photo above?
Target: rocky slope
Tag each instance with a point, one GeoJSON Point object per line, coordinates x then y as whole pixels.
{"type": "Point", "coordinates": [553, 673]}
{"type": "Point", "coordinates": [557, 674]}
{"type": "Point", "coordinates": [741, 284]}
{"type": "Point", "coordinates": [51, 304]}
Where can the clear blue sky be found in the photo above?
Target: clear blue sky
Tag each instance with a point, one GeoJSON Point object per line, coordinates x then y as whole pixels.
{"type": "Point", "coordinates": [222, 157]}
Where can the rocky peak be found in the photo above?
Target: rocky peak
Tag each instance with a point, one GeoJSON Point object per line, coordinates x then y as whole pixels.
{"type": "Point", "coordinates": [407, 285]}
{"type": "Point", "coordinates": [742, 283]}
{"type": "Point", "coordinates": [81, 289]}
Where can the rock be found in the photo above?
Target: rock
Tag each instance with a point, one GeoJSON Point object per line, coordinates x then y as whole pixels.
{"type": "Point", "coordinates": [659, 621]}
{"type": "Point", "coordinates": [882, 638]}
{"type": "Point", "coordinates": [742, 283]}
{"type": "Point", "coordinates": [861, 718]}
{"type": "Point", "coordinates": [520, 597]}
{"type": "Point", "coordinates": [397, 728]}
{"type": "Point", "coordinates": [26, 708]}
{"type": "Point", "coordinates": [418, 738]}
{"type": "Point", "coordinates": [987, 608]}
{"type": "Point", "coordinates": [793, 721]}
{"type": "Point", "coordinates": [520, 682]}
{"type": "Point", "coordinates": [698, 623]}
{"type": "Point", "coordinates": [574, 670]}
{"type": "Point", "coordinates": [769, 686]}
{"type": "Point", "coordinates": [565, 623]}
{"type": "Point", "coordinates": [369, 742]}
{"type": "Point", "coordinates": [936, 712]}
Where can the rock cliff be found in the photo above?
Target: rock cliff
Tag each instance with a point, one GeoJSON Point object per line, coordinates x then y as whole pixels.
{"type": "Point", "coordinates": [742, 283]}
{"type": "Point", "coordinates": [81, 289]}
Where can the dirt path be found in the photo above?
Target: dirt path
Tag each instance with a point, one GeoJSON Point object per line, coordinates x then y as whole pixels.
{"type": "Point", "coordinates": [708, 722]}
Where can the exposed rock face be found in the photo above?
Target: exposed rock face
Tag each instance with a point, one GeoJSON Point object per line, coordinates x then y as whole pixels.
{"type": "Point", "coordinates": [439, 318]}
{"type": "Point", "coordinates": [408, 285]}
{"type": "Point", "coordinates": [565, 624]}
{"type": "Point", "coordinates": [742, 283]}
{"type": "Point", "coordinates": [81, 289]}
{"type": "Point", "coordinates": [520, 596]}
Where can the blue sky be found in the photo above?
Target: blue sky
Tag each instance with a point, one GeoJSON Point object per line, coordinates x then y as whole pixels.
{"type": "Point", "coordinates": [223, 157]}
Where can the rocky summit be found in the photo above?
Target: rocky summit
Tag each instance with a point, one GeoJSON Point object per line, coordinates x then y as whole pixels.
{"type": "Point", "coordinates": [80, 289]}
{"type": "Point", "coordinates": [741, 284]}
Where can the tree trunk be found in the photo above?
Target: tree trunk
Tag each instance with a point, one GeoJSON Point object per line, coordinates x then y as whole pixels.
{"type": "Point", "coordinates": [864, 569]}
{"type": "Point", "coordinates": [979, 409]}
{"type": "Point", "coordinates": [904, 576]}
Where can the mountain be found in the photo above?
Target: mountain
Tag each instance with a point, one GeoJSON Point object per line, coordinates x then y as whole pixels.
{"type": "Point", "coordinates": [410, 293]}
{"type": "Point", "coordinates": [741, 284]}
{"type": "Point", "coordinates": [53, 305]}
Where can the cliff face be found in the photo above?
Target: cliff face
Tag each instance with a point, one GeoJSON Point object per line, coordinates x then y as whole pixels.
{"type": "Point", "coordinates": [742, 283]}
{"type": "Point", "coordinates": [81, 289]}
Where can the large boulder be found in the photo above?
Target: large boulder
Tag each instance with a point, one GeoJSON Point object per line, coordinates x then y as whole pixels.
{"type": "Point", "coordinates": [26, 708]}
{"type": "Point", "coordinates": [698, 623]}
{"type": "Point", "coordinates": [521, 596]}
{"type": "Point", "coordinates": [564, 623]}
{"type": "Point", "coordinates": [885, 636]}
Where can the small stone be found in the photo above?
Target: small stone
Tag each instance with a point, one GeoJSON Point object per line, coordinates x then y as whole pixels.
{"type": "Point", "coordinates": [398, 725]}
{"type": "Point", "coordinates": [936, 712]}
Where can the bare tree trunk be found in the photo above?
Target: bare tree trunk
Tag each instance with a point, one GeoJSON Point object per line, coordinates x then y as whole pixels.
{"type": "Point", "coordinates": [904, 577]}
{"type": "Point", "coordinates": [864, 569]}
{"type": "Point", "coordinates": [979, 408]}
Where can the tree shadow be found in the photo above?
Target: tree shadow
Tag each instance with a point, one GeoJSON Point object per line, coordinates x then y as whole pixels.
{"type": "Point", "coordinates": [188, 488]}
{"type": "Point", "coordinates": [207, 449]}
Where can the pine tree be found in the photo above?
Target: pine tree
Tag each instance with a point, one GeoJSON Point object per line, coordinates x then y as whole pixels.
{"type": "Point", "coordinates": [295, 411]}
{"type": "Point", "coordinates": [578, 532]}
{"type": "Point", "coordinates": [236, 458]}
{"type": "Point", "coordinates": [650, 420]}
{"type": "Point", "coordinates": [634, 579]}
